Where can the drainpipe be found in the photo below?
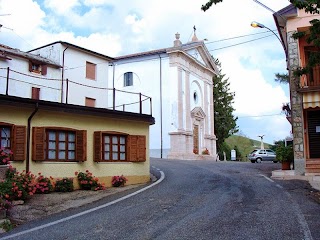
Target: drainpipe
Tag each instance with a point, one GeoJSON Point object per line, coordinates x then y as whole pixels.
{"type": "Point", "coordinates": [62, 74]}
{"type": "Point", "coordinates": [161, 137]}
{"type": "Point", "coordinates": [113, 71]}
{"type": "Point", "coordinates": [28, 136]}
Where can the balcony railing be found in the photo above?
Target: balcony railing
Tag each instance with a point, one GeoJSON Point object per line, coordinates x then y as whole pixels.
{"type": "Point", "coordinates": [14, 83]}
{"type": "Point", "coordinates": [311, 81]}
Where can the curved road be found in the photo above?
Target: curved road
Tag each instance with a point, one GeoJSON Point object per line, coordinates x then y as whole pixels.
{"type": "Point", "coordinates": [195, 200]}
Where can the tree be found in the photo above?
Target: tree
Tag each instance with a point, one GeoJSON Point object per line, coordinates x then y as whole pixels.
{"type": "Point", "coordinates": [225, 123]}
{"type": "Point", "coordinates": [282, 78]}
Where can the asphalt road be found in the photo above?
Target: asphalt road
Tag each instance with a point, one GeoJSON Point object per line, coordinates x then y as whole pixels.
{"type": "Point", "coordinates": [195, 200]}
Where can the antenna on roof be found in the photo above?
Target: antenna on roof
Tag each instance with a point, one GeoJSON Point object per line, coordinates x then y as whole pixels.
{"type": "Point", "coordinates": [269, 9]}
{"type": "Point", "coordinates": [261, 4]}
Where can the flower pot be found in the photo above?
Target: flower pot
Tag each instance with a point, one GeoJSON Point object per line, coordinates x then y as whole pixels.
{"type": "Point", "coordinates": [285, 165]}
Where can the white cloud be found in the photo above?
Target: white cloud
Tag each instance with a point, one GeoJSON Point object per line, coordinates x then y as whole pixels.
{"type": "Point", "coordinates": [61, 8]}
{"type": "Point", "coordinates": [137, 25]}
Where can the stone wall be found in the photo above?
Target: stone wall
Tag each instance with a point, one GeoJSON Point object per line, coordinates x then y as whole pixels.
{"type": "Point", "coordinates": [296, 107]}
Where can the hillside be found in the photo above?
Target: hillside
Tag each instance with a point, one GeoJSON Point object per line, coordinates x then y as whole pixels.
{"type": "Point", "coordinates": [245, 145]}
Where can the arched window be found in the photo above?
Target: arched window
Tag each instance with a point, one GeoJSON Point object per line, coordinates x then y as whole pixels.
{"type": "Point", "coordinates": [128, 79]}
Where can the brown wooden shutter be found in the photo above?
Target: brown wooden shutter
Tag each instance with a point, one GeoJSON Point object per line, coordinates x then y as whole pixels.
{"type": "Point", "coordinates": [38, 143]}
{"type": "Point", "coordinates": [44, 69]}
{"type": "Point", "coordinates": [137, 148]}
{"type": "Point", "coordinates": [97, 146]}
{"type": "Point", "coordinates": [19, 143]}
{"type": "Point", "coordinates": [30, 66]}
{"type": "Point", "coordinates": [81, 145]}
{"type": "Point", "coordinates": [35, 93]}
{"type": "Point", "coordinates": [90, 70]}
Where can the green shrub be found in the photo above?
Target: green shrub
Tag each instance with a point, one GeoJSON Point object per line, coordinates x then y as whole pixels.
{"type": "Point", "coordinates": [118, 181]}
{"type": "Point", "coordinates": [284, 153]}
{"type": "Point", "coordinates": [43, 184]}
{"type": "Point", "coordinates": [12, 190]}
{"type": "Point", "coordinates": [7, 225]}
{"type": "Point", "coordinates": [64, 185]}
{"type": "Point", "coordinates": [88, 182]}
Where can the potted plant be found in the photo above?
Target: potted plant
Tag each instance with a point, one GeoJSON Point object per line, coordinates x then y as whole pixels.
{"type": "Point", "coordinates": [284, 155]}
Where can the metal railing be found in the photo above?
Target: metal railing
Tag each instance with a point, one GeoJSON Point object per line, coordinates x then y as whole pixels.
{"type": "Point", "coordinates": [118, 100]}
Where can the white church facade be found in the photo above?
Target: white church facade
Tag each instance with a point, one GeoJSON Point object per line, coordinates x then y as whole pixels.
{"type": "Point", "coordinates": [179, 80]}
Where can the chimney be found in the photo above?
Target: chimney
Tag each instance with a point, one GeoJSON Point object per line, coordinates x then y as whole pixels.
{"type": "Point", "coordinates": [177, 42]}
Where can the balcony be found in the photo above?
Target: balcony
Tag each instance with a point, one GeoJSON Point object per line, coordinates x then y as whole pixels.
{"type": "Point", "coordinates": [310, 82]}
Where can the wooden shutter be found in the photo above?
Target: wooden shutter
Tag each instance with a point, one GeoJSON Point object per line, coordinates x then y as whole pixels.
{"type": "Point", "coordinates": [137, 148]}
{"type": "Point", "coordinates": [38, 143]}
{"type": "Point", "coordinates": [19, 143]}
{"type": "Point", "coordinates": [81, 145]}
{"type": "Point", "coordinates": [44, 69]}
{"type": "Point", "coordinates": [35, 93]}
{"type": "Point", "coordinates": [30, 66]}
{"type": "Point", "coordinates": [90, 102]}
{"type": "Point", "coordinates": [90, 70]}
{"type": "Point", "coordinates": [97, 146]}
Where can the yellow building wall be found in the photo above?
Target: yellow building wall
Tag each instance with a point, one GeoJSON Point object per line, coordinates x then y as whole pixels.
{"type": "Point", "coordinates": [135, 172]}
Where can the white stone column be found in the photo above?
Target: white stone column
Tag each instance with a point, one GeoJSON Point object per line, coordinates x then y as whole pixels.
{"type": "Point", "coordinates": [205, 96]}
{"type": "Point", "coordinates": [180, 101]}
{"type": "Point", "coordinates": [211, 109]}
{"type": "Point", "coordinates": [187, 101]}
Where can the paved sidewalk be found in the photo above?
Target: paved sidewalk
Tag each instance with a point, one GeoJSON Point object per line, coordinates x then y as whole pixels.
{"type": "Point", "coordinates": [289, 174]}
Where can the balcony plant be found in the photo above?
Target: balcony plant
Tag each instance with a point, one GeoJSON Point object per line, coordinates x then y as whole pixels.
{"type": "Point", "coordinates": [285, 155]}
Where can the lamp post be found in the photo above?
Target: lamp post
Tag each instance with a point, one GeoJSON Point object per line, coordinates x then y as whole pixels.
{"type": "Point", "coordinates": [259, 25]}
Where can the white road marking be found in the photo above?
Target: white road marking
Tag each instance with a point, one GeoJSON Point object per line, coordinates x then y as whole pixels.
{"type": "Point", "coordinates": [302, 221]}
{"type": "Point", "coordinates": [87, 211]}
{"type": "Point", "coordinates": [269, 179]}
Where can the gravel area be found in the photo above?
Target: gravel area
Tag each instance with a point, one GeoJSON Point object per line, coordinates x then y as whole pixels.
{"type": "Point", "coordinates": [42, 205]}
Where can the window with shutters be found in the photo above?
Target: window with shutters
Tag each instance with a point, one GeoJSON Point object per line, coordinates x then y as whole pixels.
{"type": "Point", "coordinates": [36, 67]}
{"type": "Point", "coordinates": [55, 144]}
{"type": "Point", "coordinates": [13, 137]}
{"type": "Point", "coordinates": [90, 70]}
{"type": "Point", "coordinates": [119, 147]}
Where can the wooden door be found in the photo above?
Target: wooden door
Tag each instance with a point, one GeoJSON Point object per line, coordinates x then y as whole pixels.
{"type": "Point", "coordinates": [196, 139]}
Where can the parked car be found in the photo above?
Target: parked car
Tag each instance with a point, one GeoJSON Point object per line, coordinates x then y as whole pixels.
{"type": "Point", "coordinates": [259, 155]}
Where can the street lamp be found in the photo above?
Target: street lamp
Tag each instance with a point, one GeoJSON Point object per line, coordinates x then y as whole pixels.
{"type": "Point", "coordinates": [259, 25]}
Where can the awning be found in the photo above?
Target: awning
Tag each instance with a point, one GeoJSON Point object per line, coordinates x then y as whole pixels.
{"type": "Point", "coordinates": [311, 100]}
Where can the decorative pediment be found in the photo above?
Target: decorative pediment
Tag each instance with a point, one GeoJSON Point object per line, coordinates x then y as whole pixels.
{"type": "Point", "coordinates": [195, 53]}
{"type": "Point", "coordinates": [198, 113]}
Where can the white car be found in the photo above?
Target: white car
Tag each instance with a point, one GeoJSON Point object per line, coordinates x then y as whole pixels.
{"type": "Point", "coordinates": [259, 155]}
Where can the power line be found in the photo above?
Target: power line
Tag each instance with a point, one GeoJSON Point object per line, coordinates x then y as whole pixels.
{"type": "Point", "coordinates": [266, 115]}
{"type": "Point", "coordinates": [239, 43]}
{"type": "Point", "coordinates": [231, 38]}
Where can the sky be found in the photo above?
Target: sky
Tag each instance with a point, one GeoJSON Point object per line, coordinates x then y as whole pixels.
{"type": "Point", "coordinates": [250, 57]}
